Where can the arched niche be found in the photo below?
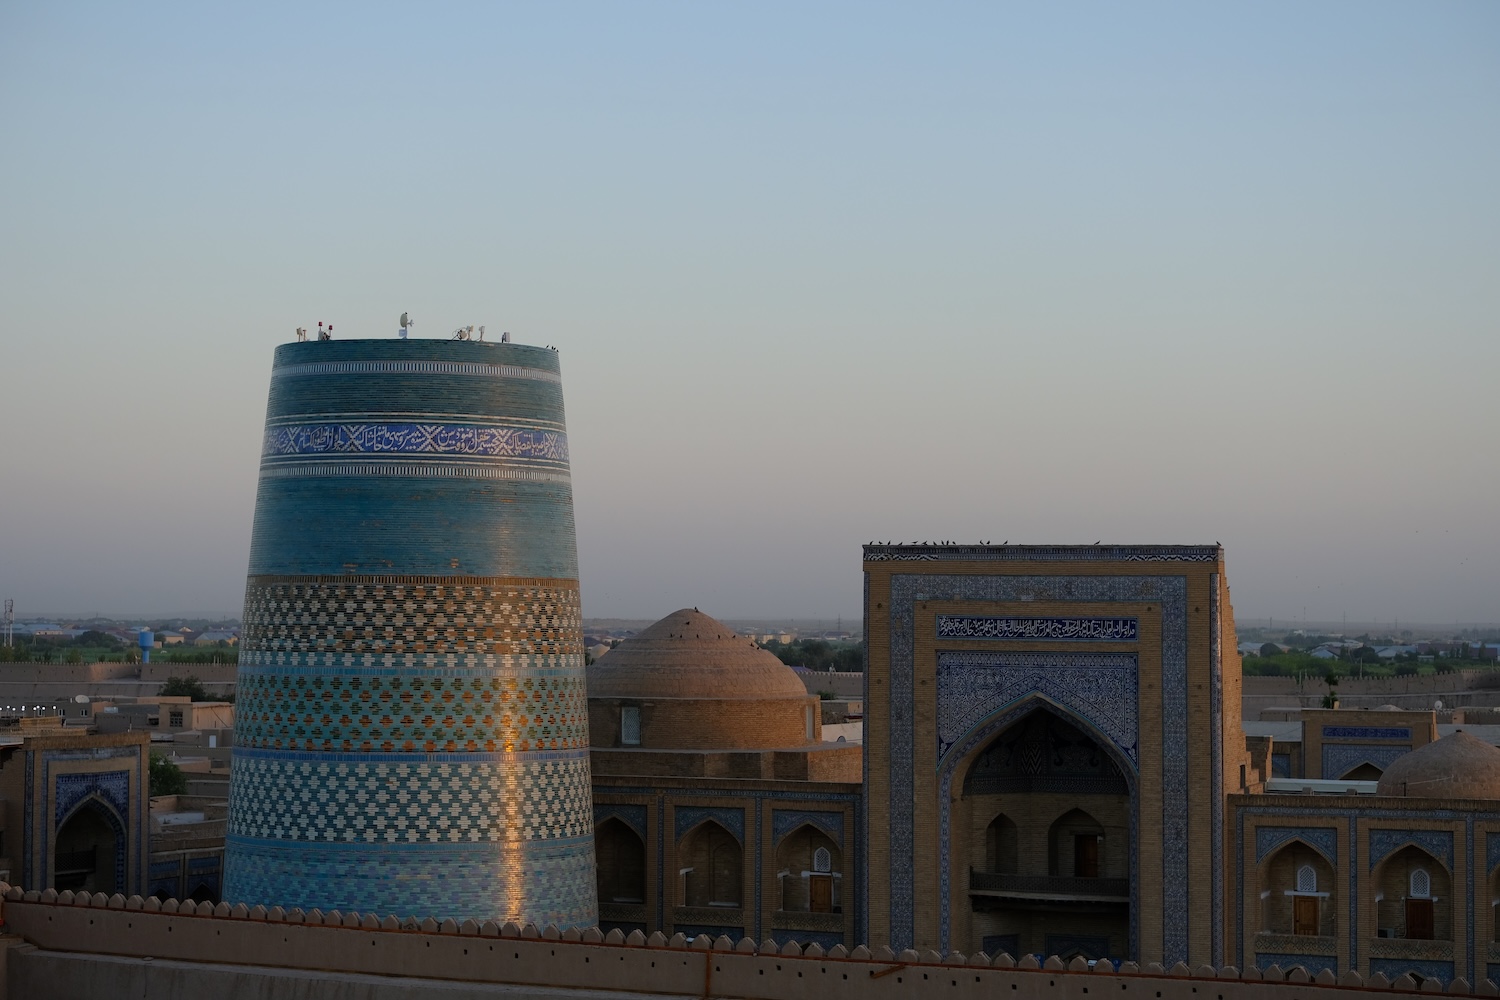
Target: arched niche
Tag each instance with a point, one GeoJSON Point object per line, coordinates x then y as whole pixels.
{"type": "Point", "coordinates": [715, 867]}
{"type": "Point", "coordinates": [620, 863]}
{"type": "Point", "coordinates": [809, 868]}
{"type": "Point", "coordinates": [89, 848]}
{"type": "Point", "coordinates": [1040, 810]}
{"type": "Point", "coordinates": [1001, 845]}
{"type": "Point", "coordinates": [1402, 913]}
{"type": "Point", "coordinates": [1299, 892]}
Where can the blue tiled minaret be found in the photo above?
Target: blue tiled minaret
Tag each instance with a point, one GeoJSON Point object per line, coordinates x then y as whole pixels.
{"type": "Point", "coordinates": [411, 731]}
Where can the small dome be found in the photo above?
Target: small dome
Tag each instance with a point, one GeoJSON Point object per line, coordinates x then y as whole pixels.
{"type": "Point", "coordinates": [1457, 766]}
{"type": "Point", "coordinates": [691, 655]}
{"type": "Point", "coordinates": [1388, 708]}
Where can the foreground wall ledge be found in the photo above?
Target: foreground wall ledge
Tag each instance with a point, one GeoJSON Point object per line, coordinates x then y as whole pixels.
{"type": "Point", "coordinates": [353, 943]}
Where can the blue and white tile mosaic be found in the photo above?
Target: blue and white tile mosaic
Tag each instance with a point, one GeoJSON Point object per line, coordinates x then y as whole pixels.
{"type": "Point", "coordinates": [1170, 591]}
{"type": "Point", "coordinates": [1324, 840]}
{"type": "Point", "coordinates": [1101, 688]}
{"type": "Point", "coordinates": [1341, 758]}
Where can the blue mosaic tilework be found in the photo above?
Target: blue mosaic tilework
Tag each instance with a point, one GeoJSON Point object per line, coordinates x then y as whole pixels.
{"type": "Point", "coordinates": [1314, 964]}
{"type": "Point", "coordinates": [1353, 866]}
{"type": "Point", "coordinates": [1169, 591]}
{"type": "Point", "coordinates": [344, 525]}
{"type": "Point", "coordinates": [70, 790]}
{"type": "Point", "coordinates": [1099, 687]}
{"type": "Point", "coordinates": [1438, 843]}
{"type": "Point", "coordinates": [537, 880]}
{"type": "Point", "coordinates": [378, 618]}
{"type": "Point", "coordinates": [1492, 972]}
{"type": "Point", "coordinates": [1491, 854]}
{"type": "Point", "coordinates": [1324, 840]}
{"type": "Point", "coordinates": [411, 731]}
{"type": "Point", "coordinates": [1281, 765]}
{"type": "Point", "coordinates": [1038, 629]}
{"type": "Point", "coordinates": [403, 438]}
{"type": "Point", "coordinates": [784, 821]}
{"type": "Point", "coordinates": [633, 816]}
{"type": "Point", "coordinates": [1341, 758]}
{"type": "Point", "coordinates": [1393, 967]}
{"type": "Point", "coordinates": [1365, 733]}
{"type": "Point", "coordinates": [687, 817]}
{"type": "Point", "coordinates": [396, 798]}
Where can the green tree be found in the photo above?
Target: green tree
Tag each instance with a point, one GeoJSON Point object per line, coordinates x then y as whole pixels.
{"type": "Point", "coordinates": [180, 687]}
{"type": "Point", "coordinates": [166, 777]}
{"type": "Point", "coordinates": [1270, 649]}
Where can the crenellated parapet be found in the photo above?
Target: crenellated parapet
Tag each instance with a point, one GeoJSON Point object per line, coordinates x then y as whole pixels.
{"type": "Point", "coordinates": [250, 946]}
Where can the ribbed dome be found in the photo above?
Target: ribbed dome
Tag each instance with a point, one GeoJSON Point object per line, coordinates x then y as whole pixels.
{"type": "Point", "coordinates": [1457, 766]}
{"type": "Point", "coordinates": [691, 655]}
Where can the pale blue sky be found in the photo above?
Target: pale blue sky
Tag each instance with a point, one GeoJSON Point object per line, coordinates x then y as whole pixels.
{"type": "Point", "coordinates": [820, 274]}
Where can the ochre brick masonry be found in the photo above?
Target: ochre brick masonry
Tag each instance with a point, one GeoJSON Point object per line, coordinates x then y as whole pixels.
{"type": "Point", "coordinates": [70, 948]}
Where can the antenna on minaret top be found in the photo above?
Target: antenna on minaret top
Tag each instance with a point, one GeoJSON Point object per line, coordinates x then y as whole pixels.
{"type": "Point", "coordinates": [406, 325]}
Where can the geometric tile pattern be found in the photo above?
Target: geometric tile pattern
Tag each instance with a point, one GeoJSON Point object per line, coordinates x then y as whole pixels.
{"type": "Point", "coordinates": [784, 821]}
{"type": "Point", "coordinates": [1325, 840]}
{"type": "Point", "coordinates": [411, 731]}
{"type": "Point", "coordinates": [293, 709]}
{"type": "Point", "coordinates": [1341, 758]}
{"type": "Point", "coordinates": [463, 880]}
{"type": "Point", "coordinates": [1099, 687]}
{"type": "Point", "coordinates": [376, 618]}
{"type": "Point", "coordinates": [732, 820]}
{"type": "Point", "coordinates": [1438, 843]}
{"type": "Point", "coordinates": [396, 799]}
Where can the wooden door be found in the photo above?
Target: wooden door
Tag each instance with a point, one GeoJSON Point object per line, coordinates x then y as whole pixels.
{"type": "Point", "coordinates": [820, 893]}
{"type": "Point", "coordinates": [1086, 855]}
{"type": "Point", "coordinates": [1419, 919]}
{"type": "Point", "coordinates": [1305, 915]}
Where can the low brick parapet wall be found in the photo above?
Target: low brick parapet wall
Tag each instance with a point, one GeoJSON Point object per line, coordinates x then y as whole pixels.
{"type": "Point", "coordinates": [335, 944]}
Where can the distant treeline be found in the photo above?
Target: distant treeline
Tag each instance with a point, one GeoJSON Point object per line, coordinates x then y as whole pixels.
{"type": "Point", "coordinates": [819, 654]}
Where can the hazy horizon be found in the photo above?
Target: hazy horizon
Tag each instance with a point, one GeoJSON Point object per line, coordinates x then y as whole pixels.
{"type": "Point", "coordinates": [1165, 273]}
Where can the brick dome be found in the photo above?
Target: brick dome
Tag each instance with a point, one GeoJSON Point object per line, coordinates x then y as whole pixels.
{"type": "Point", "coordinates": [1457, 766]}
{"type": "Point", "coordinates": [691, 655]}
{"type": "Point", "coordinates": [691, 682]}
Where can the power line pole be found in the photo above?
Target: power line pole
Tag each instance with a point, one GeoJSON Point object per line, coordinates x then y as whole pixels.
{"type": "Point", "coordinates": [10, 621]}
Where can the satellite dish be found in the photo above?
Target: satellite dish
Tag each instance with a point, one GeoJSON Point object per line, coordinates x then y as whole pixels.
{"type": "Point", "coordinates": [81, 699]}
{"type": "Point", "coordinates": [405, 319]}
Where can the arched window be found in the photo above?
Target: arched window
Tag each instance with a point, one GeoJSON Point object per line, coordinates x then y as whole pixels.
{"type": "Point", "coordinates": [630, 725]}
{"type": "Point", "coordinates": [822, 860]}
{"type": "Point", "coordinates": [1421, 884]}
{"type": "Point", "coordinates": [1307, 879]}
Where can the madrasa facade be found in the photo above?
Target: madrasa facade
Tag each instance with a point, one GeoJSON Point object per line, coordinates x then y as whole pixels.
{"type": "Point", "coordinates": [1055, 765]}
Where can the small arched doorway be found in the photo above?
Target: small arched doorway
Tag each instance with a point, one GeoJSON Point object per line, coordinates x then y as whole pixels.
{"type": "Point", "coordinates": [89, 847]}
